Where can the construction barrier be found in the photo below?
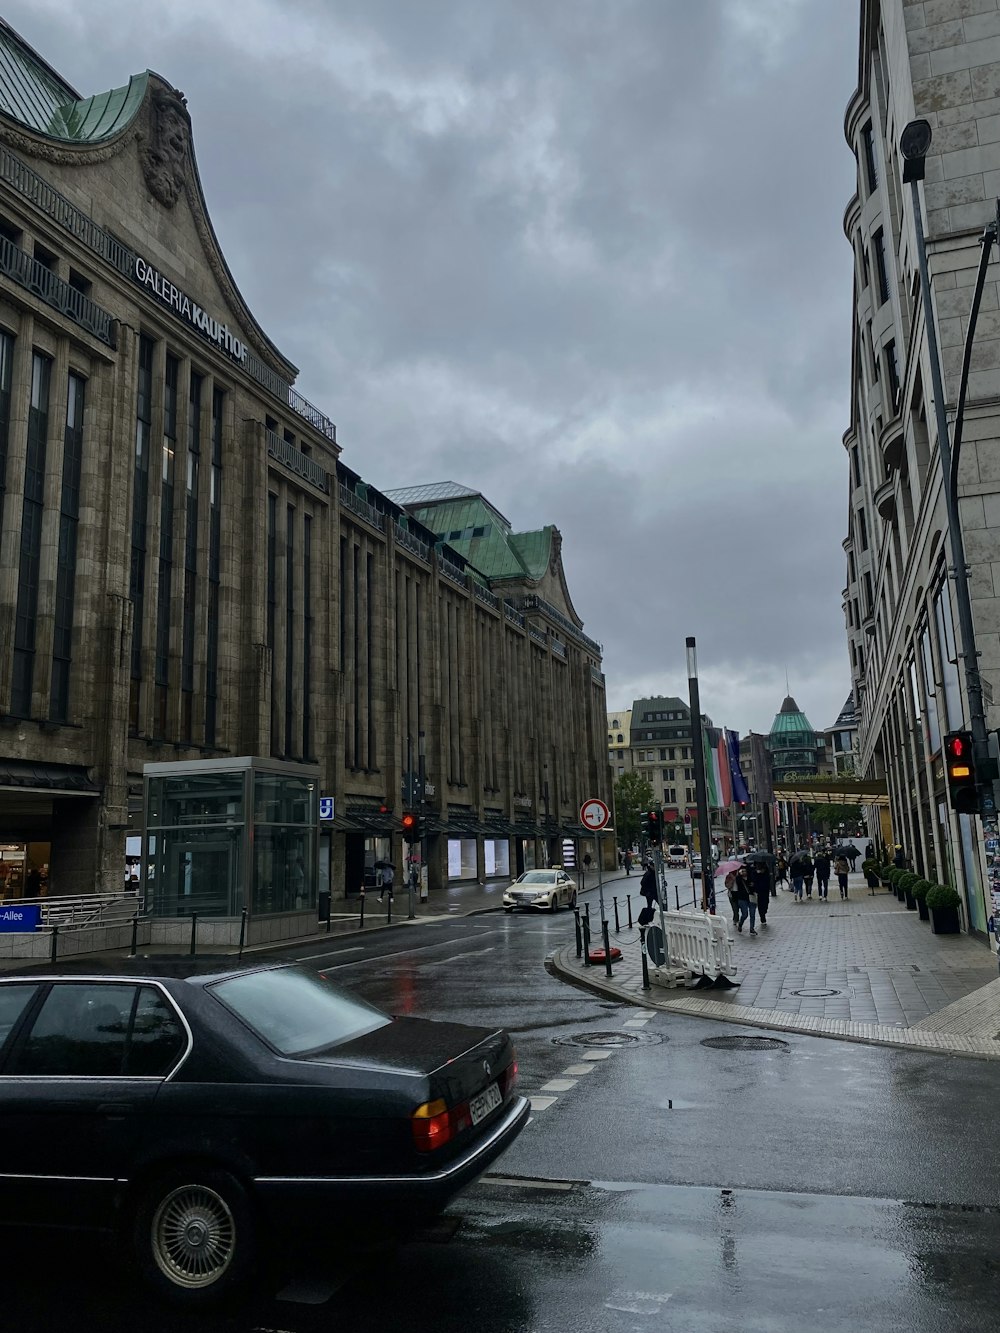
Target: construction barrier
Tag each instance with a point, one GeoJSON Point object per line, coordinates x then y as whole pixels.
{"type": "Point", "coordinates": [698, 951]}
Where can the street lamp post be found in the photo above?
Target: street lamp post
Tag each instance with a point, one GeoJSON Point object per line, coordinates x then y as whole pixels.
{"type": "Point", "coordinates": [913, 144]}
{"type": "Point", "coordinates": [701, 791]}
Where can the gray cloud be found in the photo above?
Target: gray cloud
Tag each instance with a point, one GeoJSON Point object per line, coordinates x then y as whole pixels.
{"type": "Point", "coordinates": [586, 255]}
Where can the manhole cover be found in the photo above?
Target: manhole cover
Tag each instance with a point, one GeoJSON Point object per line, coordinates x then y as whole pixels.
{"type": "Point", "coordinates": [816, 994]}
{"type": "Point", "coordinates": [600, 1039]}
{"type": "Point", "coordinates": [745, 1044]}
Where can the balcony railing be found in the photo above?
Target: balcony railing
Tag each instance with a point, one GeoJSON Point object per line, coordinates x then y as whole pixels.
{"type": "Point", "coordinates": [484, 595]}
{"type": "Point", "coordinates": [298, 462]}
{"type": "Point", "coordinates": [452, 571]}
{"type": "Point", "coordinates": [410, 542]}
{"type": "Point", "coordinates": [34, 277]}
{"type": "Point", "coordinates": [537, 635]}
{"type": "Point", "coordinates": [532, 602]}
{"type": "Point", "coordinates": [513, 616]}
{"type": "Point", "coordinates": [596, 676]}
{"type": "Point", "coordinates": [361, 507]}
{"type": "Point", "coordinates": [56, 206]}
{"type": "Point", "coordinates": [558, 648]}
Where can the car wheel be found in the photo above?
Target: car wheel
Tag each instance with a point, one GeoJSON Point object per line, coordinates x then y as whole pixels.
{"type": "Point", "coordinates": [194, 1236]}
{"type": "Point", "coordinates": [554, 903]}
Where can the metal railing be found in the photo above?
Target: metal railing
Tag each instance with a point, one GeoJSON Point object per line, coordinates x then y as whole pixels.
{"type": "Point", "coordinates": [56, 206]}
{"type": "Point", "coordinates": [43, 283]}
{"type": "Point", "coordinates": [484, 595]}
{"type": "Point", "coordinates": [513, 616]}
{"type": "Point", "coordinates": [532, 602]}
{"type": "Point", "coordinates": [361, 507]}
{"type": "Point", "coordinates": [298, 462]}
{"type": "Point", "coordinates": [537, 635]}
{"type": "Point", "coordinates": [411, 543]}
{"type": "Point", "coordinates": [452, 571]}
{"type": "Point", "coordinates": [596, 676]}
{"type": "Point", "coordinates": [81, 910]}
{"type": "Point", "coordinates": [558, 648]}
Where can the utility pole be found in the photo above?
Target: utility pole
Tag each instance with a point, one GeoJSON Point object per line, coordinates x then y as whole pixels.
{"type": "Point", "coordinates": [701, 791]}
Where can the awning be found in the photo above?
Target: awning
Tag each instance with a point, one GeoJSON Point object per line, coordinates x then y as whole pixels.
{"type": "Point", "coordinates": [49, 779]}
{"type": "Point", "coordinates": [843, 790]}
{"type": "Point", "coordinates": [373, 820]}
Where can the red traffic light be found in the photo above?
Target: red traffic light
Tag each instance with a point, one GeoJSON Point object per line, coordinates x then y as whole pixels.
{"type": "Point", "coordinates": [957, 747]}
{"type": "Point", "coordinates": [409, 822]}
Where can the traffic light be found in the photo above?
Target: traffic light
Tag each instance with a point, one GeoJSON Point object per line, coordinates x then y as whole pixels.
{"type": "Point", "coordinates": [961, 769]}
{"type": "Point", "coordinates": [654, 826]}
{"type": "Point", "coordinates": [410, 830]}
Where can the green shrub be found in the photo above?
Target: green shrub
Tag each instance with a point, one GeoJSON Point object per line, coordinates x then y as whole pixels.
{"type": "Point", "coordinates": [870, 867]}
{"type": "Point", "coordinates": [921, 889]}
{"type": "Point", "coordinates": [941, 895]}
{"type": "Point", "coordinates": [907, 880]}
{"type": "Point", "coordinates": [885, 871]}
{"type": "Point", "coordinates": [895, 874]}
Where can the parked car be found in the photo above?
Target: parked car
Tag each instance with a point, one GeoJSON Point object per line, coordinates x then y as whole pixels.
{"type": "Point", "coordinates": [540, 890]}
{"type": "Point", "coordinates": [192, 1106]}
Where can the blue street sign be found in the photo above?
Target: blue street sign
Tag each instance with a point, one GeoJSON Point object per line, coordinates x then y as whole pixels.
{"type": "Point", "coordinates": [326, 807]}
{"type": "Point", "coordinates": [20, 919]}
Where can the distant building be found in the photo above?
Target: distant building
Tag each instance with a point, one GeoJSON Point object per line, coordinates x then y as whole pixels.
{"type": "Point", "coordinates": [792, 743]}
{"type": "Point", "coordinates": [841, 740]}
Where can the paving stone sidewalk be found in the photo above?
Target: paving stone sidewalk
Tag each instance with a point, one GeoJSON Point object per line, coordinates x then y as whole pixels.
{"type": "Point", "coordinates": [865, 968]}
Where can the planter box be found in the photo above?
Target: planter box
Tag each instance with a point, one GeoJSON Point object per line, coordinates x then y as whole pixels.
{"type": "Point", "coordinates": [911, 902]}
{"type": "Point", "coordinates": [944, 920]}
{"type": "Point", "coordinates": [922, 909]}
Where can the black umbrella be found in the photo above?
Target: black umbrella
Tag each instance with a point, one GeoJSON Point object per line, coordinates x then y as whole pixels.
{"type": "Point", "coordinates": [766, 857]}
{"type": "Point", "coordinates": [845, 849]}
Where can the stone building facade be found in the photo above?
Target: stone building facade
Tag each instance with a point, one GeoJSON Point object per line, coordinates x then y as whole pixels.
{"type": "Point", "coordinates": [939, 62]}
{"type": "Point", "coordinates": [190, 571]}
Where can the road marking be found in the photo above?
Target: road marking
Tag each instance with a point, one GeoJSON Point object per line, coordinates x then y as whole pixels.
{"type": "Point", "coordinates": [579, 1069]}
{"type": "Point", "coordinates": [635, 1022]}
{"type": "Point", "coordinates": [596, 1055]}
{"type": "Point", "coordinates": [559, 1085]}
{"type": "Point", "coordinates": [542, 1103]}
{"type": "Point", "coordinates": [443, 962]}
{"type": "Point", "coordinates": [375, 958]}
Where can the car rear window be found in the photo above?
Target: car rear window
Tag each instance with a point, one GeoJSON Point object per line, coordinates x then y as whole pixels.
{"type": "Point", "coordinates": [297, 1011]}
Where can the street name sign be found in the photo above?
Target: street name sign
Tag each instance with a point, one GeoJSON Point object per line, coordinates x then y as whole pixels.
{"type": "Point", "coordinates": [20, 920]}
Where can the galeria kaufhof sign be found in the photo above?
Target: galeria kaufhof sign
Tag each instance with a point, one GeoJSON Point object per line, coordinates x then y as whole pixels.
{"type": "Point", "coordinates": [153, 280]}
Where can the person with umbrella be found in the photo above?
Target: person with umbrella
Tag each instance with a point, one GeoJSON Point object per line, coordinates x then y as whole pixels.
{"type": "Point", "coordinates": [745, 901]}
{"type": "Point", "coordinates": [822, 864]}
{"type": "Point", "coordinates": [648, 888]}
{"type": "Point", "coordinates": [800, 866]}
{"type": "Point", "coordinates": [759, 876]}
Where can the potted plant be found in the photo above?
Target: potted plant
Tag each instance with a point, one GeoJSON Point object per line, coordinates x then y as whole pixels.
{"type": "Point", "coordinates": [872, 872]}
{"type": "Point", "coordinates": [943, 903]}
{"type": "Point", "coordinates": [884, 872]}
{"type": "Point", "coordinates": [894, 875]}
{"type": "Point", "coordinates": [920, 891]}
{"type": "Point", "coordinates": [906, 883]}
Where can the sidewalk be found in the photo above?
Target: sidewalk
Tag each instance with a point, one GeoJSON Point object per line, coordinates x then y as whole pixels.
{"type": "Point", "coordinates": [863, 969]}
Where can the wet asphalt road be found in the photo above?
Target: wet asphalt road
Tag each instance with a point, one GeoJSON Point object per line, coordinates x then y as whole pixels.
{"type": "Point", "coordinates": [674, 1186]}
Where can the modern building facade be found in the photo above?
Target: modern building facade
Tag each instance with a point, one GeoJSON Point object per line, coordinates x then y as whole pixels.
{"type": "Point", "coordinates": [940, 63]}
{"type": "Point", "coordinates": [190, 573]}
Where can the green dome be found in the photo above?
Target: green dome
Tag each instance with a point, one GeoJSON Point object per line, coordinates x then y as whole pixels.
{"type": "Point", "coordinates": [791, 723]}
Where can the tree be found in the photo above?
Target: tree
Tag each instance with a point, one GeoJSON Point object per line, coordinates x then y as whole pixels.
{"type": "Point", "coordinates": [829, 814]}
{"type": "Point", "coordinates": [633, 794]}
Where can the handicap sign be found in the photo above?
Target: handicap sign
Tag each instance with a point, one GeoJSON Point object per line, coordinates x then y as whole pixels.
{"type": "Point", "coordinates": [326, 807]}
{"type": "Point", "coordinates": [20, 920]}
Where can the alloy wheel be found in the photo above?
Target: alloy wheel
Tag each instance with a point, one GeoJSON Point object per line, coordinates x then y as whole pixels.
{"type": "Point", "coordinates": [193, 1236]}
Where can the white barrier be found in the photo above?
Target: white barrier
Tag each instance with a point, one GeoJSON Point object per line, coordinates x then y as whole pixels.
{"type": "Point", "coordinates": [697, 945]}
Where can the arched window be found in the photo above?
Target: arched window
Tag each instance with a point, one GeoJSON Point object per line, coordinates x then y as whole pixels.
{"type": "Point", "coordinates": [621, 738]}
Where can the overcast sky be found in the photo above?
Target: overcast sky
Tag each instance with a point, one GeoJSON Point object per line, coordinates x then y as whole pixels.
{"type": "Point", "coordinates": [584, 255]}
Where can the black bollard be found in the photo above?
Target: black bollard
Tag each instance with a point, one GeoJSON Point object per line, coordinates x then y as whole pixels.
{"type": "Point", "coordinates": [607, 949]}
{"type": "Point", "coordinates": [329, 911]}
{"type": "Point", "coordinates": [194, 932]}
{"type": "Point", "coordinates": [617, 922]}
{"type": "Point", "coordinates": [579, 934]}
{"type": "Point", "coordinates": [361, 919]}
{"type": "Point", "coordinates": [388, 912]}
{"type": "Point", "coordinates": [243, 932]}
{"type": "Point", "coordinates": [55, 944]}
{"type": "Point", "coordinates": [628, 899]}
{"type": "Point", "coordinates": [645, 962]}
{"type": "Point", "coordinates": [586, 940]}
{"type": "Point", "coordinates": [135, 936]}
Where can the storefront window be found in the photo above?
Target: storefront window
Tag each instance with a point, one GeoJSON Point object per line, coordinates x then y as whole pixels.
{"type": "Point", "coordinates": [497, 857]}
{"type": "Point", "coordinates": [285, 879]}
{"type": "Point", "coordinates": [462, 858]}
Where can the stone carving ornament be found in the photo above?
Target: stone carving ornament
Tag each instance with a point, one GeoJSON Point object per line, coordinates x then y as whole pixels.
{"type": "Point", "coordinates": [164, 159]}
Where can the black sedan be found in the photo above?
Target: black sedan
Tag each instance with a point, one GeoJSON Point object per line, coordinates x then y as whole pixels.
{"type": "Point", "coordinates": [189, 1105]}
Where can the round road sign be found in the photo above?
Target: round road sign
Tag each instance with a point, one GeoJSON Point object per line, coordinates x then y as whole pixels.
{"type": "Point", "coordinates": [594, 814]}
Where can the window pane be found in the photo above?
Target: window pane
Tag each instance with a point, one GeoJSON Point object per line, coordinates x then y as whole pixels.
{"type": "Point", "coordinates": [14, 1000]}
{"type": "Point", "coordinates": [80, 1029]}
{"type": "Point", "coordinates": [297, 1011]}
{"type": "Point", "coordinates": [157, 1036]}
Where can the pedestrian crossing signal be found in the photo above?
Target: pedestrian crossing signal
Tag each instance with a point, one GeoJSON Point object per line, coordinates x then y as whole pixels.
{"type": "Point", "coordinates": [962, 786]}
{"type": "Point", "coordinates": [654, 825]}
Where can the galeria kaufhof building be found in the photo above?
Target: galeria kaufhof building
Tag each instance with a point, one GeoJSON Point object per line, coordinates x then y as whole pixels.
{"type": "Point", "coordinates": [209, 625]}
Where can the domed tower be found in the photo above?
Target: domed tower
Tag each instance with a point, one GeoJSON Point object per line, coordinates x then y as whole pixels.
{"type": "Point", "coordinates": [792, 743]}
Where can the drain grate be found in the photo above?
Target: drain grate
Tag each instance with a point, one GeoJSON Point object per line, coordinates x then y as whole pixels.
{"type": "Point", "coordinates": [745, 1044]}
{"type": "Point", "coordinates": [816, 994]}
{"type": "Point", "coordinates": [609, 1039]}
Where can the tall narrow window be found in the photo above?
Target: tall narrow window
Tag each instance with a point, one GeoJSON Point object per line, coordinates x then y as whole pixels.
{"type": "Point", "coordinates": [214, 565]}
{"type": "Point", "coordinates": [168, 466]}
{"type": "Point", "coordinates": [31, 537]}
{"type": "Point", "coordinates": [863, 529]}
{"type": "Point", "coordinates": [69, 513]}
{"type": "Point", "coordinates": [870, 163]}
{"type": "Point", "coordinates": [878, 241]}
{"type": "Point", "coordinates": [289, 630]}
{"type": "Point", "coordinates": [307, 636]}
{"type": "Point", "coordinates": [856, 464]}
{"type": "Point", "coordinates": [6, 362]}
{"type": "Point", "coordinates": [140, 494]}
{"type": "Point", "coordinates": [190, 559]}
{"type": "Point", "coordinates": [892, 371]}
{"type": "Point", "coordinates": [272, 601]}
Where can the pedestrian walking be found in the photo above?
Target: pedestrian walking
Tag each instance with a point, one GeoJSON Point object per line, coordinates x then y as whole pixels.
{"type": "Point", "coordinates": [822, 865]}
{"type": "Point", "coordinates": [760, 889]}
{"type": "Point", "coordinates": [385, 885]}
{"type": "Point", "coordinates": [647, 885]}
{"type": "Point", "coordinates": [628, 862]}
{"type": "Point", "coordinates": [808, 873]}
{"type": "Point", "coordinates": [869, 851]}
{"type": "Point", "coordinates": [734, 902]}
{"type": "Point", "coordinates": [746, 902]}
{"type": "Point", "coordinates": [852, 854]}
{"type": "Point", "coordinates": [781, 871]}
{"type": "Point", "coordinates": [899, 860]}
{"type": "Point", "coordinates": [797, 867]}
{"type": "Point", "coordinates": [840, 870]}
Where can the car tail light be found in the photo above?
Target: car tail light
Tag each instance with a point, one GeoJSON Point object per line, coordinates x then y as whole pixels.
{"type": "Point", "coordinates": [432, 1126]}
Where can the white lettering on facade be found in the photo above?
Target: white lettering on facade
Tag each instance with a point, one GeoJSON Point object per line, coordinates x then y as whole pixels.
{"type": "Point", "coordinates": [147, 276]}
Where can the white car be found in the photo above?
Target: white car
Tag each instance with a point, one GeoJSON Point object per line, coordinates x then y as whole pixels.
{"type": "Point", "coordinates": [543, 890]}
{"type": "Point", "coordinates": [676, 856]}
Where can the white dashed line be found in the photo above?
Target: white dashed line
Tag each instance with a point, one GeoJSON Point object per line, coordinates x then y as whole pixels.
{"type": "Point", "coordinates": [635, 1022]}
{"type": "Point", "coordinates": [596, 1055]}
{"type": "Point", "coordinates": [542, 1103]}
{"type": "Point", "coordinates": [559, 1085]}
{"type": "Point", "coordinates": [578, 1069]}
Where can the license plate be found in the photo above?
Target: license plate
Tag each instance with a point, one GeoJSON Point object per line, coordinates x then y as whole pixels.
{"type": "Point", "coordinates": [487, 1101]}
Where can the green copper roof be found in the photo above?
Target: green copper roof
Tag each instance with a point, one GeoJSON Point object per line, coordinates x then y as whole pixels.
{"type": "Point", "coordinates": [791, 725]}
{"type": "Point", "coordinates": [476, 530]}
{"type": "Point", "coordinates": [32, 93]}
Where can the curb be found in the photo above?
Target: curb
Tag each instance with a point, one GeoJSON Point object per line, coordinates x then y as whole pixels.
{"type": "Point", "coordinates": [564, 964]}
